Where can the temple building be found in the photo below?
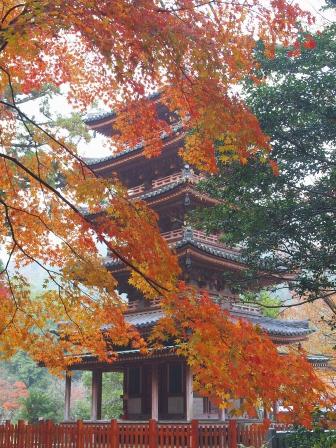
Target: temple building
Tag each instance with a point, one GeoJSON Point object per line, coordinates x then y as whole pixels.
{"type": "Point", "coordinates": [159, 386]}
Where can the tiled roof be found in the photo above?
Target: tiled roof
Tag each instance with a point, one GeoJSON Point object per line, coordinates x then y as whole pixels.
{"type": "Point", "coordinates": [318, 359]}
{"type": "Point", "coordinates": [99, 115]}
{"type": "Point", "coordinates": [144, 319]}
{"type": "Point", "coordinates": [273, 327]}
{"type": "Point", "coordinates": [277, 327]}
{"type": "Point", "coordinates": [164, 135]}
{"type": "Point", "coordinates": [93, 161]}
{"type": "Point", "coordinates": [221, 252]}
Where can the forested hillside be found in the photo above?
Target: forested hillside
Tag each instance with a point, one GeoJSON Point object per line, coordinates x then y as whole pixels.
{"type": "Point", "coordinates": [30, 392]}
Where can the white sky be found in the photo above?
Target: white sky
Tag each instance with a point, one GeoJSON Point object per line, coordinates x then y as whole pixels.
{"type": "Point", "coordinates": [314, 6]}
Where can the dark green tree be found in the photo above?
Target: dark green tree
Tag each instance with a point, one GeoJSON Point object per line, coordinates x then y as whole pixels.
{"type": "Point", "coordinates": [286, 222]}
{"type": "Point", "coordinates": [111, 397]}
{"type": "Point", "coordinates": [22, 368]}
{"type": "Point", "coordinates": [41, 405]}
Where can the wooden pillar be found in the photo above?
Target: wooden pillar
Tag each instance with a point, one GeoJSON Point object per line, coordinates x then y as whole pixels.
{"type": "Point", "coordinates": [232, 429]}
{"type": "Point", "coordinates": [189, 393]}
{"type": "Point", "coordinates": [153, 433]}
{"type": "Point", "coordinates": [96, 400]}
{"type": "Point", "coordinates": [222, 414]}
{"type": "Point", "coordinates": [275, 411]}
{"type": "Point", "coordinates": [67, 396]}
{"type": "Point", "coordinates": [155, 392]}
{"type": "Point", "coordinates": [125, 394]}
{"type": "Point", "coordinates": [194, 434]}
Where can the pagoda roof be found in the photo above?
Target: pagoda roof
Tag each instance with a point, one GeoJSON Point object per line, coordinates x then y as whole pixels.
{"type": "Point", "coordinates": [96, 160]}
{"type": "Point", "coordinates": [93, 118]}
{"type": "Point", "coordinates": [185, 237]}
{"type": "Point", "coordinates": [221, 252]}
{"type": "Point", "coordinates": [318, 360]}
{"type": "Point", "coordinates": [273, 327]}
{"type": "Point", "coordinates": [166, 137]}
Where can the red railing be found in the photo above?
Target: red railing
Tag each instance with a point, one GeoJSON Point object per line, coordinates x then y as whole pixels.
{"type": "Point", "coordinates": [199, 235]}
{"type": "Point", "coordinates": [130, 435]}
{"type": "Point", "coordinates": [174, 235]}
{"type": "Point", "coordinates": [136, 190]}
{"type": "Point", "coordinates": [227, 301]}
{"type": "Point", "coordinates": [158, 183]}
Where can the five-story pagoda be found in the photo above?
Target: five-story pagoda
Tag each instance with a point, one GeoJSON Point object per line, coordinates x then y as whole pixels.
{"type": "Point", "coordinates": [160, 386]}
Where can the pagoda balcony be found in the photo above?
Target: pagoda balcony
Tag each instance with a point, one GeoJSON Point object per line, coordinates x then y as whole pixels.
{"type": "Point", "coordinates": [231, 303]}
{"type": "Point", "coordinates": [186, 175]}
{"type": "Point", "coordinates": [188, 233]}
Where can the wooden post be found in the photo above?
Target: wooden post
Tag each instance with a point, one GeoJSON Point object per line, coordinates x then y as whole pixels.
{"type": "Point", "coordinates": [275, 411]}
{"type": "Point", "coordinates": [67, 400]}
{"type": "Point", "coordinates": [155, 392]}
{"type": "Point", "coordinates": [8, 434]}
{"type": "Point", "coordinates": [233, 434]}
{"type": "Point", "coordinates": [20, 434]}
{"type": "Point", "coordinates": [96, 399]}
{"type": "Point", "coordinates": [194, 434]}
{"type": "Point", "coordinates": [153, 433]}
{"type": "Point", "coordinates": [80, 435]}
{"type": "Point", "coordinates": [125, 394]}
{"type": "Point", "coordinates": [49, 434]}
{"type": "Point", "coordinates": [221, 414]}
{"type": "Point", "coordinates": [189, 393]}
{"type": "Point", "coordinates": [114, 434]}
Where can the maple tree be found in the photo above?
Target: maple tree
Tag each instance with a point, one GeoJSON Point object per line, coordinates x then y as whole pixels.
{"type": "Point", "coordinates": [109, 53]}
{"type": "Point", "coordinates": [231, 359]}
{"type": "Point", "coordinates": [323, 341]}
{"type": "Point", "coordinates": [193, 53]}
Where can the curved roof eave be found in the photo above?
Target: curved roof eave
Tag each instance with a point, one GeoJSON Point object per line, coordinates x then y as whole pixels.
{"type": "Point", "coordinates": [273, 327]}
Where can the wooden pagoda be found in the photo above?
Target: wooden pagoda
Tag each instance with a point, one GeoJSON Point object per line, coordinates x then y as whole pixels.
{"type": "Point", "coordinates": [160, 386]}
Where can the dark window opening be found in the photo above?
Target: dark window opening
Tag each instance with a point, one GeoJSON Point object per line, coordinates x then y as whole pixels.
{"type": "Point", "coordinates": [175, 379]}
{"type": "Point", "coordinates": [134, 381]}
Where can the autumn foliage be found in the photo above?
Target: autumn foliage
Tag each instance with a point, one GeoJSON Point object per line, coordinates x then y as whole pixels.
{"type": "Point", "coordinates": [119, 52]}
{"type": "Point", "coordinates": [231, 359]}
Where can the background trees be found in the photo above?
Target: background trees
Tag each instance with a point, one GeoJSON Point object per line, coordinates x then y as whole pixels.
{"type": "Point", "coordinates": [286, 222]}
{"type": "Point", "coordinates": [30, 392]}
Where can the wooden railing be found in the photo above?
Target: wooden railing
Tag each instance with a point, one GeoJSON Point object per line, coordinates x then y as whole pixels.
{"type": "Point", "coordinates": [198, 235]}
{"type": "Point", "coordinates": [228, 302]}
{"type": "Point", "coordinates": [192, 177]}
{"type": "Point", "coordinates": [245, 308]}
{"type": "Point", "coordinates": [130, 435]}
{"type": "Point", "coordinates": [202, 236]}
{"type": "Point", "coordinates": [136, 190]}
{"type": "Point", "coordinates": [135, 305]}
{"type": "Point", "coordinates": [158, 183]}
{"type": "Point", "coordinates": [175, 235]}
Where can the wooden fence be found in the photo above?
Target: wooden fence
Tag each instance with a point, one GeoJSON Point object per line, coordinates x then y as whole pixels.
{"type": "Point", "coordinates": [130, 435]}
